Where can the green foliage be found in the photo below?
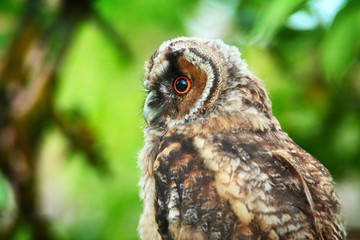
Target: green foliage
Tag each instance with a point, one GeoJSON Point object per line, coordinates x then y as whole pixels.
{"type": "Point", "coordinates": [340, 45]}
{"type": "Point", "coordinates": [4, 193]}
{"type": "Point", "coordinates": [312, 76]}
{"type": "Point", "coordinates": [8, 12]}
{"type": "Point", "coordinates": [272, 16]}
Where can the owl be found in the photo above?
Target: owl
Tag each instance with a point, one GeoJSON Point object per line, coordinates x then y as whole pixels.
{"type": "Point", "coordinates": [216, 164]}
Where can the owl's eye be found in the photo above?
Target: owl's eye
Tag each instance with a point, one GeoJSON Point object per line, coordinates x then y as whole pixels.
{"type": "Point", "coordinates": [182, 84]}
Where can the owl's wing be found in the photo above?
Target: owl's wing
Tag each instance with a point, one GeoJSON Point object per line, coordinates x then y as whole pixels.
{"type": "Point", "coordinates": [242, 185]}
{"type": "Point", "coordinates": [273, 186]}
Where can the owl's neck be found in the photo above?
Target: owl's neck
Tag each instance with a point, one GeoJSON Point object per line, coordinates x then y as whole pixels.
{"type": "Point", "coordinates": [229, 117]}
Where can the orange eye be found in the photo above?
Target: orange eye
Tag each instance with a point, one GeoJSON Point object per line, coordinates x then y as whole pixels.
{"type": "Point", "coordinates": [182, 85]}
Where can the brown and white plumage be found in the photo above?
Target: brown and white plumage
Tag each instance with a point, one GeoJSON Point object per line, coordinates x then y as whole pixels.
{"type": "Point", "coordinates": [216, 164]}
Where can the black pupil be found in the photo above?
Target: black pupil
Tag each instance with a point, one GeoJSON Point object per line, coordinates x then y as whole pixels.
{"type": "Point", "coordinates": [181, 84]}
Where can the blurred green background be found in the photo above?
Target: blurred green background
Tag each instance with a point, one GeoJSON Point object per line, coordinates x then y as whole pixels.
{"type": "Point", "coordinates": [307, 53]}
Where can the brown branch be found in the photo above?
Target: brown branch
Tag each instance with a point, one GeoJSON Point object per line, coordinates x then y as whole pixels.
{"type": "Point", "coordinates": [82, 139]}
{"type": "Point", "coordinates": [27, 81]}
{"type": "Point", "coordinates": [28, 76]}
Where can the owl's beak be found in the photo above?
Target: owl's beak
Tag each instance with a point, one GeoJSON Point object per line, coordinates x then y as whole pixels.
{"type": "Point", "coordinates": [150, 114]}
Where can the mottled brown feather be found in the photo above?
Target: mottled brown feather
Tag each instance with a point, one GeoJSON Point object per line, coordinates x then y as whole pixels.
{"type": "Point", "coordinates": [216, 164]}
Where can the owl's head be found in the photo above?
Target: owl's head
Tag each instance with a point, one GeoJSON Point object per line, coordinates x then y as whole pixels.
{"type": "Point", "coordinates": [191, 79]}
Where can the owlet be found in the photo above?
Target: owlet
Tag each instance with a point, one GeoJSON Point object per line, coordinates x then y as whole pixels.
{"type": "Point", "coordinates": [216, 164]}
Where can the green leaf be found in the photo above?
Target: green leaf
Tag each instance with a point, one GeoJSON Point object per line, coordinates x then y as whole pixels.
{"type": "Point", "coordinates": [4, 193]}
{"type": "Point", "coordinates": [271, 18]}
{"type": "Point", "coordinates": [341, 43]}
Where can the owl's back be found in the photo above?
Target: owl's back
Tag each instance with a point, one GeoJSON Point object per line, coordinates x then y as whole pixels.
{"type": "Point", "coordinates": [239, 185]}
